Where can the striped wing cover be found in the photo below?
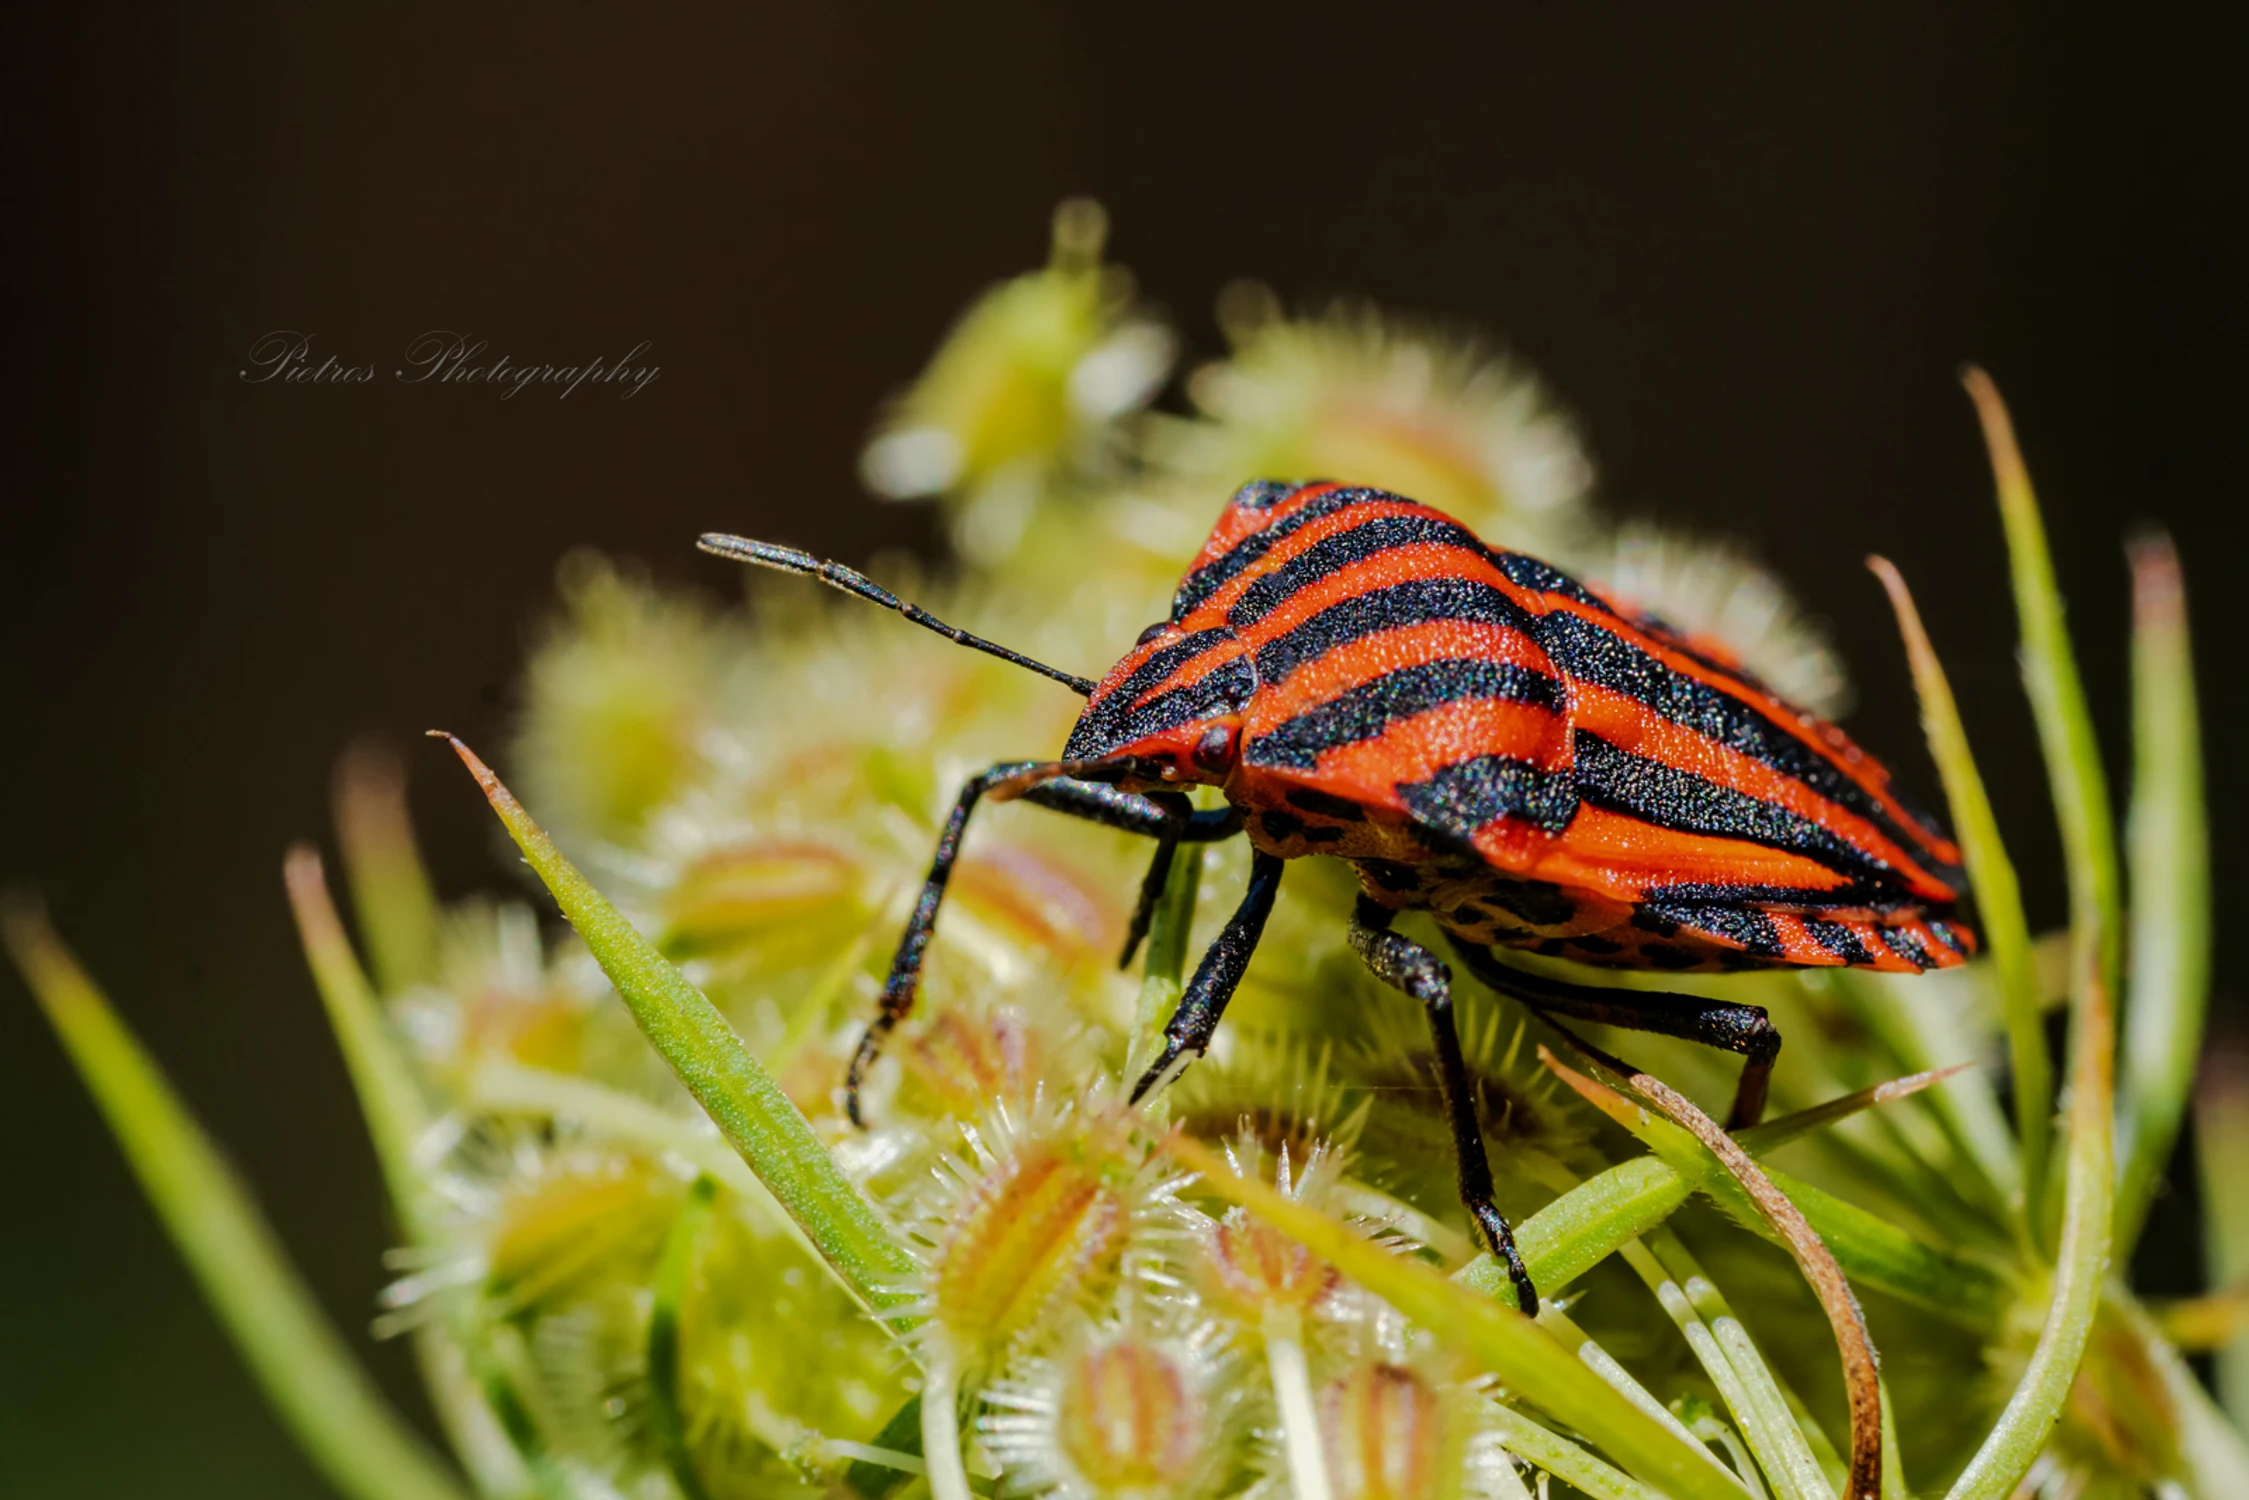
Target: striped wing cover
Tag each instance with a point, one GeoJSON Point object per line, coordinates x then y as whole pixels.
{"type": "Point", "coordinates": [1483, 736]}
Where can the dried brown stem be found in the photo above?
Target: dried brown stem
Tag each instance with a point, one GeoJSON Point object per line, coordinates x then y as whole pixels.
{"type": "Point", "coordinates": [1861, 1374]}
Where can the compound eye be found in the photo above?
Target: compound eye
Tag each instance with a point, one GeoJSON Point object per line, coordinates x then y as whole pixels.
{"type": "Point", "coordinates": [1152, 632]}
{"type": "Point", "coordinates": [1214, 752]}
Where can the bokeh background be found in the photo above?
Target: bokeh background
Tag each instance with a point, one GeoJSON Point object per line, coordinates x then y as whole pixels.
{"type": "Point", "coordinates": [1747, 249]}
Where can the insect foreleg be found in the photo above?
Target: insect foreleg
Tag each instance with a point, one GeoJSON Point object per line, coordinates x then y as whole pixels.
{"type": "Point", "coordinates": [1405, 965]}
{"type": "Point", "coordinates": [1714, 1023]}
{"type": "Point", "coordinates": [1187, 1035]}
{"type": "Point", "coordinates": [1167, 817]}
{"type": "Point", "coordinates": [1160, 815]}
{"type": "Point", "coordinates": [1135, 812]}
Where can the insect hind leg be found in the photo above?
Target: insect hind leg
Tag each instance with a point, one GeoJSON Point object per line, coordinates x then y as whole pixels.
{"type": "Point", "coordinates": [1405, 965]}
{"type": "Point", "coordinates": [1730, 1027]}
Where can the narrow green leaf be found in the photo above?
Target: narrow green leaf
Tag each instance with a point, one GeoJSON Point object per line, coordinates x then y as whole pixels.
{"type": "Point", "coordinates": [390, 1096]}
{"type": "Point", "coordinates": [1999, 902]}
{"type": "Point", "coordinates": [1596, 1218]}
{"type": "Point", "coordinates": [2170, 866]}
{"type": "Point", "coordinates": [1566, 1461]}
{"type": "Point", "coordinates": [1739, 1373]}
{"type": "Point", "coordinates": [364, 1448]}
{"type": "Point", "coordinates": [1523, 1355]}
{"type": "Point", "coordinates": [398, 1114]}
{"type": "Point", "coordinates": [735, 1090]}
{"type": "Point", "coordinates": [2057, 702]}
{"type": "Point", "coordinates": [1776, 1133]}
{"type": "Point", "coordinates": [1582, 1228]}
{"type": "Point", "coordinates": [2212, 1455]}
{"type": "Point", "coordinates": [1924, 1021]}
{"type": "Point", "coordinates": [2221, 1139]}
{"type": "Point", "coordinates": [390, 891]}
{"type": "Point", "coordinates": [1870, 1250]}
{"type": "Point", "coordinates": [2081, 807]}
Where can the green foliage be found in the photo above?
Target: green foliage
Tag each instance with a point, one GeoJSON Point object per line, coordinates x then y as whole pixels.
{"type": "Point", "coordinates": [643, 1254]}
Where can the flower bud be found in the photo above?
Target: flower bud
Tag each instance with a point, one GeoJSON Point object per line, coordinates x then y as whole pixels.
{"type": "Point", "coordinates": [1128, 1423]}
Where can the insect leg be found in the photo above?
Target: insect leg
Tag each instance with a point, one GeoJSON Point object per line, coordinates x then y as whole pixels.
{"type": "Point", "coordinates": [1093, 801]}
{"type": "Point", "coordinates": [1151, 891]}
{"type": "Point", "coordinates": [1714, 1023]}
{"type": "Point", "coordinates": [1187, 1035]}
{"type": "Point", "coordinates": [1405, 965]}
{"type": "Point", "coordinates": [1167, 817]}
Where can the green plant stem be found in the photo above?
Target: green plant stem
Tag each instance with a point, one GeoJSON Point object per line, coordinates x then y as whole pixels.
{"type": "Point", "coordinates": [1869, 1249]}
{"type": "Point", "coordinates": [398, 1114]}
{"type": "Point", "coordinates": [2006, 930]}
{"type": "Point", "coordinates": [1604, 1364]}
{"type": "Point", "coordinates": [749, 1108]}
{"type": "Point", "coordinates": [1524, 1356]}
{"type": "Point", "coordinates": [674, 1272]}
{"type": "Point", "coordinates": [2221, 1138]}
{"type": "Point", "coordinates": [2081, 807]}
{"type": "Point", "coordinates": [2021, 1431]}
{"type": "Point", "coordinates": [1755, 1403]}
{"type": "Point", "coordinates": [1571, 1464]}
{"type": "Point", "coordinates": [390, 891]}
{"type": "Point", "coordinates": [1291, 1374]}
{"type": "Point", "coordinates": [2213, 1458]}
{"type": "Point", "coordinates": [366, 1451]}
{"type": "Point", "coordinates": [1583, 1227]}
{"type": "Point", "coordinates": [2170, 867]}
{"type": "Point", "coordinates": [940, 1429]}
{"type": "Point", "coordinates": [390, 1096]}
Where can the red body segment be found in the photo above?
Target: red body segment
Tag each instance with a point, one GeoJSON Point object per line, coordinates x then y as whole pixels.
{"type": "Point", "coordinates": [1484, 737]}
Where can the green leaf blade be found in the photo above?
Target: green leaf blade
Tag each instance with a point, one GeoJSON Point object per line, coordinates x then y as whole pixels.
{"type": "Point", "coordinates": [2081, 806]}
{"type": "Point", "coordinates": [760, 1121]}
{"type": "Point", "coordinates": [306, 1371]}
{"type": "Point", "coordinates": [1999, 902]}
{"type": "Point", "coordinates": [2169, 853]}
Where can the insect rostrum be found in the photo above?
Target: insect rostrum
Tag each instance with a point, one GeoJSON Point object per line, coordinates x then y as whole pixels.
{"type": "Point", "coordinates": [1482, 737]}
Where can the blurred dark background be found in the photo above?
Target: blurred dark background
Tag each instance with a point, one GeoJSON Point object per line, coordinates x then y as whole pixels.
{"type": "Point", "coordinates": [1748, 250]}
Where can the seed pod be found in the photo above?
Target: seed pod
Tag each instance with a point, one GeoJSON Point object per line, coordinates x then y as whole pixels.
{"type": "Point", "coordinates": [1120, 1414]}
{"type": "Point", "coordinates": [1391, 1434]}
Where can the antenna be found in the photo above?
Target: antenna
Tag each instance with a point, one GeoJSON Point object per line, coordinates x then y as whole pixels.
{"type": "Point", "coordinates": [836, 575]}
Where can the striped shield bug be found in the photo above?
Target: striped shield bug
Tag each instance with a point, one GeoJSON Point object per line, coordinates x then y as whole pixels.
{"type": "Point", "coordinates": [1481, 737]}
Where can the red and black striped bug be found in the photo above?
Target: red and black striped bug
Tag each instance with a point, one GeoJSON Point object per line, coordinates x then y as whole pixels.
{"type": "Point", "coordinates": [1483, 738]}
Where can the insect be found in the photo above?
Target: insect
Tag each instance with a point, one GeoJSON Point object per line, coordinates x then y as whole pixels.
{"type": "Point", "coordinates": [1483, 738]}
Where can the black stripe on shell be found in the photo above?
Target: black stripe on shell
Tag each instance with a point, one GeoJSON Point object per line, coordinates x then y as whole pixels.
{"type": "Point", "coordinates": [1657, 792]}
{"type": "Point", "coordinates": [1330, 554]}
{"type": "Point", "coordinates": [1587, 652]}
{"type": "Point", "coordinates": [1752, 930]}
{"type": "Point", "coordinates": [1365, 711]}
{"type": "Point", "coordinates": [1463, 799]}
{"type": "Point", "coordinates": [1419, 602]}
{"type": "Point", "coordinates": [1199, 585]}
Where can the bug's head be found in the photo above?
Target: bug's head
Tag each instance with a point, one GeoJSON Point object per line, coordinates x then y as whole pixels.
{"type": "Point", "coordinates": [1172, 709]}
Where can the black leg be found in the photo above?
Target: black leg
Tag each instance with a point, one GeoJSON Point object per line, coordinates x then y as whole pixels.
{"type": "Point", "coordinates": [1154, 815]}
{"type": "Point", "coordinates": [1177, 810]}
{"type": "Point", "coordinates": [1148, 813]}
{"type": "Point", "coordinates": [1714, 1023]}
{"type": "Point", "coordinates": [1188, 1034]}
{"type": "Point", "coordinates": [1151, 891]}
{"type": "Point", "coordinates": [1405, 965]}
